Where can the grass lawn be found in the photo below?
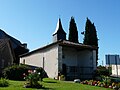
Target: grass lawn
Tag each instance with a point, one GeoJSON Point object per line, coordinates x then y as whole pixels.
{"type": "Point", "coordinates": [51, 84]}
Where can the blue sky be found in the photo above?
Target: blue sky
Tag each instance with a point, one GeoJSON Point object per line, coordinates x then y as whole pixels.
{"type": "Point", "coordinates": [34, 21]}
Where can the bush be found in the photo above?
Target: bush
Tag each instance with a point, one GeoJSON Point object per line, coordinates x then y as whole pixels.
{"type": "Point", "coordinates": [15, 72]}
{"type": "Point", "coordinates": [42, 72]}
{"type": "Point", "coordinates": [32, 80]}
{"type": "Point", "coordinates": [4, 82]}
{"type": "Point", "coordinates": [106, 80]}
{"type": "Point", "coordinates": [62, 78]}
{"type": "Point", "coordinates": [104, 71]}
{"type": "Point", "coordinates": [101, 71]}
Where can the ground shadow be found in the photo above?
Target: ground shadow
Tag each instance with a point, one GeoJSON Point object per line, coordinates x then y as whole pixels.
{"type": "Point", "coordinates": [50, 81]}
{"type": "Point", "coordinates": [42, 88]}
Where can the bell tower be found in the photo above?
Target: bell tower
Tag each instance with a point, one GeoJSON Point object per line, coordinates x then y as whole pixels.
{"type": "Point", "coordinates": [59, 33]}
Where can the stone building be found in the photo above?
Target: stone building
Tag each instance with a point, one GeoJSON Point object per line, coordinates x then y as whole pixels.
{"type": "Point", "coordinates": [73, 60]}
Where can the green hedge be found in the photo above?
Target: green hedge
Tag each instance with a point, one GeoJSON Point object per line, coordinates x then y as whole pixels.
{"type": "Point", "coordinates": [15, 72]}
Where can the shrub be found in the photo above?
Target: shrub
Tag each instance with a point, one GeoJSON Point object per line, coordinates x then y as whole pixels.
{"type": "Point", "coordinates": [32, 80]}
{"type": "Point", "coordinates": [42, 72]}
{"type": "Point", "coordinates": [15, 72]}
{"type": "Point", "coordinates": [4, 82]}
{"type": "Point", "coordinates": [62, 78]}
{"type": "Point", "coordinates": [101, 71]}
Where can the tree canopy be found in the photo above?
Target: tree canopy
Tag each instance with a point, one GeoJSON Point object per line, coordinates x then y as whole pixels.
{"type": "Point", "coordinates": [73, 33]}
{"type": "Point", "coordinates": [90, 36]}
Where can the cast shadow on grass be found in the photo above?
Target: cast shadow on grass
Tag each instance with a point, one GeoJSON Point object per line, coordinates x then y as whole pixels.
{"type": "Point", "coordinates": [50, 81]}
{"type": "Point", "coordinates": [44, 88]}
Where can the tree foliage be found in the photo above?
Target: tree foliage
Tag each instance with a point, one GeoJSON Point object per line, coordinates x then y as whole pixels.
{"type": "Point", "coordinates": [15, 72]}
{"type": "Point", "coordinates": [101, 70]}
{"type": "Point", "coordinates": [4, 82]}
{"type": "Point", "coordinates": [73, 33]}
{"type": "Point", "coordinates": [90, 36]}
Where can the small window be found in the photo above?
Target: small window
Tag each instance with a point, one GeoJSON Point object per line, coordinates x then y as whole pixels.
{"type": "Point", "coordinates": [23, 61]}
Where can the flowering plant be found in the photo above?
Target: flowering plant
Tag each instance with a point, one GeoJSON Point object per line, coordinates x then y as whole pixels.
{"type": "Point", "coordinates": [32, 79]}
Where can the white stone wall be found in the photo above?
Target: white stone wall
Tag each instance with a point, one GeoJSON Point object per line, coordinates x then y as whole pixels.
{"type": "Point", "coordinates": [35, 59]}
{"type": "Point", "coordinates": [50, 56]}
{"type": "Point", "coordinates": [54, 56]}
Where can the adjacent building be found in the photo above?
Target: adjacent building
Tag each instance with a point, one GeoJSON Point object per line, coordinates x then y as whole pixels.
{"type": "Point", "coordinates": [10, 49]}
{"type": "Point", "coordinates": [114, 62]}
{"type": "Point", "coordinates": [6, 54]}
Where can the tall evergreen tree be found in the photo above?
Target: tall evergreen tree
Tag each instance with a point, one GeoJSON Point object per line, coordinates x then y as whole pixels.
{"type": "Point", "coordinates": [73, 33]}
{"type": "Point", "coordinates": [90, 36]}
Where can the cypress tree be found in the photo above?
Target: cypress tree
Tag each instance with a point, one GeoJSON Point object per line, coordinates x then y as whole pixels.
{"type": "Point", "coordinates": [73, 33]}
{"type": "Point", "coordinates": [90, 36]}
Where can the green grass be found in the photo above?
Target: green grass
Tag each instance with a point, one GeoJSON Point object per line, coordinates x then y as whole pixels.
{"type": "Point", "coordinates": [51, 84]}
